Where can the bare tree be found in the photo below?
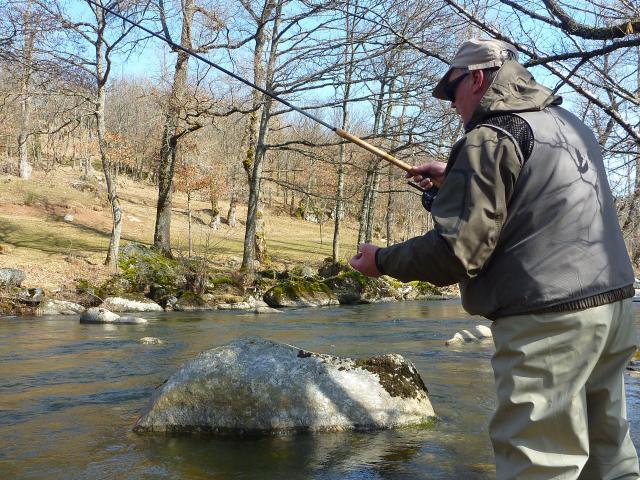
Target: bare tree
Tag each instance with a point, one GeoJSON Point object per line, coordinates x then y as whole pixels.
{"type": "Point", "coordinates": [179, 119]}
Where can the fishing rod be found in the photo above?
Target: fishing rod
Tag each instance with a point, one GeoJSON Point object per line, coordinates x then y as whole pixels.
{"type": "Point", "coordinates": [427, 196]}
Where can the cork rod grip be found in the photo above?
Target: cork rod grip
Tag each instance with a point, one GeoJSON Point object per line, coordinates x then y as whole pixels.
{"type": "Point", "coordinates": [375, 150]}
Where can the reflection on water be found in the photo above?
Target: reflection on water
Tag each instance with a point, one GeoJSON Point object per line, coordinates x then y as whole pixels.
{"type": "Point", "coordinates": [70, 393]}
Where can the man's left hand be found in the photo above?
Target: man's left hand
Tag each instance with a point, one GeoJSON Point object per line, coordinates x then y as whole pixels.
{"type": "Point", "coordinates": [365, 260]}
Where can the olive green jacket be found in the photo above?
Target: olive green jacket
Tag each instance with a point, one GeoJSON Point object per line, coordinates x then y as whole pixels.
{"type": "Point", "coordinates": [470, 243]}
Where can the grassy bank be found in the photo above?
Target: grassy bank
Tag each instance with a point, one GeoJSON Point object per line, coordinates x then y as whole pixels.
{"type": "Point", "coordinates": [34, 236]}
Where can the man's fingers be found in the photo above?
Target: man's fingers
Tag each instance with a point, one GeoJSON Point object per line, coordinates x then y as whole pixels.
{"type": "Point", "coordinates": [426, 183]}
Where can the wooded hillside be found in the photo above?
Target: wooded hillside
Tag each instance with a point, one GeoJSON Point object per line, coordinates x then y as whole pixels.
{"type": "Point", "coordinates": [89, 98]}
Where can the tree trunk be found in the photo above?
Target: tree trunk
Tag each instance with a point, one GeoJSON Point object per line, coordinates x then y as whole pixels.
{"type": "Point", "coordinates": [335, 255]}
{"type": "Point", "coordinates": [189, 222]}
{"type": "Point", "coordinates": [390, 215]}
{"type": "Point", "coordinates": [250, 239]}
{"type": "Point", "coordinates": [25, 101]}
{"type": "Point", "coordinates": [215, 209]}
{"type": "Point", "coordinates": [365, 206]}
{"type": "Point", "coordinates": [170, 136]}
{"type": "Point", "coordinates": [233, 186]}
{"type": "Point", "coordinates": [231, 214]}
{"type": "Point", "coordinates": [257, 143]}
{"type": "Point", "coordinates": [348, 75]}
{"type": "Point", "coordinates": [307, 204]}
{"type": "Point", "coordinates": [107, 167]}
{"type": "Point", "coordinates": [373, 194]}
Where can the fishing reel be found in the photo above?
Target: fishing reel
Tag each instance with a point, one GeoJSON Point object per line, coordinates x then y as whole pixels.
{"type": "Point", "coordinates": [428, 195]}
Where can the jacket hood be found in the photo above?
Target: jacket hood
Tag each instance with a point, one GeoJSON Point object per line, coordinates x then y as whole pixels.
{"type": "Point", "coordinates": [513, 90]}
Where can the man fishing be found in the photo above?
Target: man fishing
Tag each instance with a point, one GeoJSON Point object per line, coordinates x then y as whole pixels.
{"type": "Point", "coordinates": [525, 223]}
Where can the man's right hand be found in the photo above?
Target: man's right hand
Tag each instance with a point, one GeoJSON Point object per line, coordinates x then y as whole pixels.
{"type": "Point", "coordinates": [428, 175]}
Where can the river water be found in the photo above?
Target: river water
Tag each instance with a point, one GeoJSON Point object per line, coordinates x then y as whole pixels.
{"type": "Point", "coordinates": [70, 393]}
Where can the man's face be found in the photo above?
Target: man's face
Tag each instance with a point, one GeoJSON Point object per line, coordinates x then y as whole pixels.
{"type": "Point", "coordinates": [465, 95]}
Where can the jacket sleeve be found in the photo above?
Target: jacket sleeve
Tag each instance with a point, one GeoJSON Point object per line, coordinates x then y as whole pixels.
{"type": "Point", "coordinates": [468, 214]}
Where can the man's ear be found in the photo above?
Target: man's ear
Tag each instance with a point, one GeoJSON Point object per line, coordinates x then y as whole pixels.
{"type": "Point", "coordinates": [478, 80]}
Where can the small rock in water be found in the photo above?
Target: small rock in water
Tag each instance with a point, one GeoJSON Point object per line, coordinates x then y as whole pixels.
{"type": "Point", "coordinates": [235, 306]}
{"type": "Point", "coordinates": [258, 386]}
{"type": "Point", "coordinates": [102, 315]}
{"type": "Point", "coordinates": [262, 310]}
{"type": "Point", "coordinates": [150, 341]}
{"type": "Point", "coordinates": [476, 334]}
{"type": "Point", "coordinates": [132, 320]}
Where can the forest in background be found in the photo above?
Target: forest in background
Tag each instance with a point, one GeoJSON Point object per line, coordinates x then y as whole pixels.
{"type": "Point", "coordinates": [81, 87]}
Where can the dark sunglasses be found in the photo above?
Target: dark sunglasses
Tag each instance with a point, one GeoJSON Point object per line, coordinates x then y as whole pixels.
{"type": "Point", "coordinates": [450, 87]}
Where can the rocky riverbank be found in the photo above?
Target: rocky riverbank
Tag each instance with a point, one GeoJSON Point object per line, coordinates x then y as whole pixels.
{"type": "Point", "coordinates": [147, 281]}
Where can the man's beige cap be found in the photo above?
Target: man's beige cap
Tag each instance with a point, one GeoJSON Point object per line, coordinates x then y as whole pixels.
{"type": "Point", "coordinates": [476, 54]}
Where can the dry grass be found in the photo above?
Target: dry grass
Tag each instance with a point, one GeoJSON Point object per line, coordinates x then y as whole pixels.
{"type": "Point", "coordinates": [35, 238]}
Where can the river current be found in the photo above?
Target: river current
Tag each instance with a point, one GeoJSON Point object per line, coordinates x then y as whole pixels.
{"type": "Point", "coordinates": [70, 393]}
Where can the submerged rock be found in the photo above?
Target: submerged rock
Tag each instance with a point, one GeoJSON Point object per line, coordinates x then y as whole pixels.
{"type": "Point", "coordinates": [476, 334]}
{"type": "Point", "coordinates": [261, 310]}
{"type": "Point", "coordinates": [119, 304]}
{"type": "Point", "coordinates": [150, 341]}
{"type": "Point", "coordinates": [257, 386]}
{"type": "Point", "coordinates": [102, 315]}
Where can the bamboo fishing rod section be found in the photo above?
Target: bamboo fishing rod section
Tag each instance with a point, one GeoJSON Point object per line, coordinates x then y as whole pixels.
{"type": "Point", "coordinates": [372, 149]}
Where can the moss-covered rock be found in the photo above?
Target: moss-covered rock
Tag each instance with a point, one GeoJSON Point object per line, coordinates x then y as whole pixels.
{"type": "Point", "coordinates": [114, 286]}
{"type": "Point", "coordinates": [426, 288]}
{"type": "Point", "coordinates": [329, 268]}
{"type": "Point", "coordinates": [300, 293]}
{"type": "Point", "coordinates": [223, 298]}
{"type": "Point", "coordinates": [143, 266]}
{"type": "Point", "coordinates": [224, 285]}
{"type": "Point", "coordinates": [348, 287]}
{"type": "Point", "coordinates": [398, 377]}
{"type": "Point", "coordinates": [192, 302]}
{"type": "Point", "coordinates": [351, 287]}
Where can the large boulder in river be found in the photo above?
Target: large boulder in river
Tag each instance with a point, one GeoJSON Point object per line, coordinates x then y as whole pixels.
{"type": "Point", "coordinates": [120, 304]}
{"type": "Point", "coordinates": [11, 277]}
{"type": "Point", "coordinates": [257, 386]}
